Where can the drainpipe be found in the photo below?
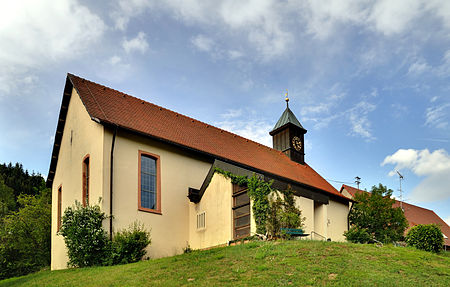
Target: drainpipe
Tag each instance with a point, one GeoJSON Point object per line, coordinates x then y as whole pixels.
{"type": "Point", "coordinates": [348, 216]}
{"type": "Point", "coordinates": [111, 177]}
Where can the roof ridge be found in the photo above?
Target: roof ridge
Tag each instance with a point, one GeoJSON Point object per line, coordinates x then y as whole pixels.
{"type": "Point", "coordinates": [195, 120]}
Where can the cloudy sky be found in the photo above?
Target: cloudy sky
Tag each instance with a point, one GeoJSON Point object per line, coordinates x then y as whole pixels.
{"type": "Point", "coordinates": [369, 81]}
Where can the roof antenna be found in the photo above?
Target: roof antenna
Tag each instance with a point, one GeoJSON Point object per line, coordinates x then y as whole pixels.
{"type": "Point", "coordinates": [287, 99]}
{"type": "Point", "coordinates": [357, 180]}
{"type": "Point", "coordinates": [400, 177]}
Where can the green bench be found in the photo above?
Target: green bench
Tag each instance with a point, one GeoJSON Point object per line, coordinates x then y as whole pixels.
{"type": "Point", "coordinates": [293, 232]}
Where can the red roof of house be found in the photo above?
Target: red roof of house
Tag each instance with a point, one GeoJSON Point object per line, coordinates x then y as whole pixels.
{"type": "Point", "coordinates": [350, 190]}
{"type": "Point", "coordinates": [114, 107]}
{"type": "Point", "coordinates": [414, 214]}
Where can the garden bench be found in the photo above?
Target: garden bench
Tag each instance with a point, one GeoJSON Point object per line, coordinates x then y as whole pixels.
{"type": "Point", "coordinates": [293, 232]}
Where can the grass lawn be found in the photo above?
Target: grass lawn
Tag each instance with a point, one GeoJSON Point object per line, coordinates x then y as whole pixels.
{"type": "Point", "coordinates": [288, 263]}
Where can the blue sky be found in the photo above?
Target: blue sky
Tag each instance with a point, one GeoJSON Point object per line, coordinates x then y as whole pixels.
{"type": "Point", "coordinates": [369, 81]}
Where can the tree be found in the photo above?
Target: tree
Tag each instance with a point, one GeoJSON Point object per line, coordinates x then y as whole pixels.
{"type": "Point", "coordinates": [25, 236]}
{"type": "Point", "coordinates": [20, 180]}
{"type": "Point", "coordinates": [373, 212]}
{"type": "Point", "coordinates": [7, 201]}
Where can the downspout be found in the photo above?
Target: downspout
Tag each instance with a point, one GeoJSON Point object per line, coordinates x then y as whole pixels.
{"type": "Point", "coordinates": [111, 177]}
{"type": "Point", "coordinates": [348, 216]}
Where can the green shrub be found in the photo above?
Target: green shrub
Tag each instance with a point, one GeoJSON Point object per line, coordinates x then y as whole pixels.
{"type": "Point", "coordinates": [85, 238]}
{"type": "Point", "coordinates": [427, 237]}
{"type": "Point", "coordinates": [129, 245]}
{"type": "Point", "coordinates": [357, 235]}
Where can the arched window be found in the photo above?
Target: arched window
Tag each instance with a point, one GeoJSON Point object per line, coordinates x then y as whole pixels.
{"type": "Point", "coordinates": [85, 182]}
{"type": "Point", "coordinates": [149, 183]}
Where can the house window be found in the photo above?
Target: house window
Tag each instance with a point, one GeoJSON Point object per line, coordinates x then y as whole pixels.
{"type": "Point", "coordinates": [201, 220]}
{"type": "Point", "coordinates": [241, 212]}
{"type": "Point", "coordinates": [85, 196]}
{"type": "Point", "coordinates": [149, 182]}
{"type": "Point", "coordinates": [58, 224]}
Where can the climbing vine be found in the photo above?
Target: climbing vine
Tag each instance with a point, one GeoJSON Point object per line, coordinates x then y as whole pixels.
{"type": "Point", "coordinates": [270, 213]}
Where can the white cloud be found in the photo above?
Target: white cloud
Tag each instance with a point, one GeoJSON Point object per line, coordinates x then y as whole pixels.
{"type": "Point", "coordinates": [434, 166]}
{"type": "Point", "coordinates": [447, 220]}
{"type": "Point", "coordinates": [359, 121]}
{"type": "Point", "coordinates": [34, 34]}
{"type": "Point", "coordinates": [437, 116]}
{"type": "Point", "coordinates": [115, 60]}
{"type": "Point", "coordinates": [138, 43]}
{"type": "Point", "coordinates": [234, 54]}
{"type": "Point", "coordinates": [126, 9]}
{"type": "Point", "coordinates": [246, 124]}
{"type": "Point", "coordinates": [394, 17]}
{"type": "Point", "coordinates": [232, 113]}
{"type": "Point", "coordinates": [418, 67]}
{"type": "Point", "coordinates": [203, 43]}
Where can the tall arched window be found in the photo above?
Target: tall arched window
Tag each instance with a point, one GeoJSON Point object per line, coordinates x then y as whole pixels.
{"type": "Point", "coordinates": [85, 197]}
{"type": "Point", "coordinates": [149, 182]}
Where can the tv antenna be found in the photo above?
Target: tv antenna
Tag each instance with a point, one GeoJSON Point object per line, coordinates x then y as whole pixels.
{"type": "Point", "coordinates": [357, 181]}
{"type": "Point", "coordinates": [400, 178]}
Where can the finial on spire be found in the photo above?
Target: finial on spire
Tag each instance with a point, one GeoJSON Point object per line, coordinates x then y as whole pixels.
{"type": "Point", "coordinates": [287, 99]}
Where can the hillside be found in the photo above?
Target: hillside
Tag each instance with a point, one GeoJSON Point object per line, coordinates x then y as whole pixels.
{"type": "Point", "coordinates": [295, 263]}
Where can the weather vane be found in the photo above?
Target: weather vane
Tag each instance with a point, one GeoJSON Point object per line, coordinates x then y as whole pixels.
{"type": "Point", "coordinates": [287, 98]}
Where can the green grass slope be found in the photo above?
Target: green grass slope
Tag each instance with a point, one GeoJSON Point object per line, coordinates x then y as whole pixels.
{"type": "Point", "coordinates": [290, 263]}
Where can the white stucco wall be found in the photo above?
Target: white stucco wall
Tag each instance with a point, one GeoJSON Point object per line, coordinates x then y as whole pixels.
{"type": "Point", "coordinates": [81, 136]}
{"type": "Point", "coordinates": [217, 203]}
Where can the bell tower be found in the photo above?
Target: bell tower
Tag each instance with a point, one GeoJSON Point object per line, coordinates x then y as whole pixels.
{"type": "Point", "coordinates": [288, 135]}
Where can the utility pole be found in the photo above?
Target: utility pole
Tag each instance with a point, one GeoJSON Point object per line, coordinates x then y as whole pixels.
{"type": "Point", "coordinates": [357, 180]}
{"type": "Point", "coordinates": [400, 177]}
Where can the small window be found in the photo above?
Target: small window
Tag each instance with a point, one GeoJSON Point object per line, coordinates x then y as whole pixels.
{"type": "Point", "coordinates": [149, 183]}
{"type": "Point", "coordinates": [85, 196]}
{"type": "Point", "coordinates": [201, 220]}
{"type": "Point", "coordinates": [59, 208]}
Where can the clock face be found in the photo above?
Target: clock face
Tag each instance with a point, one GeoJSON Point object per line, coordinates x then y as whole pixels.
{"type": "Point", "coordinates": [297, 143]}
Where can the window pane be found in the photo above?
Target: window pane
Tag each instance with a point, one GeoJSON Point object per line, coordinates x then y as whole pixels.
{"type": "Point", "coordinates": [241, 221]}
{"type": "Point", "coordinates": [148, 165]}
{"type": "Point", "coordinates": [148, 182]}
{"type": "Point", "coordinates": [242, 210]}
{"type": "Point", "coordinates": [242, 232]}
{"type": "Point", "coordinates": [241, 199]}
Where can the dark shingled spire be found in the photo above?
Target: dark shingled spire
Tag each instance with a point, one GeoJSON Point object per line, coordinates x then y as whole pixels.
{"type": "Point", "coordinates": [287, 117]}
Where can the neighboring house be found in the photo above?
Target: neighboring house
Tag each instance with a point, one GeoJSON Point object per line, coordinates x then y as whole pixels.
{"type": "Point", "coordinates": [149, 164]}
{"type": "Point", "coordinates": [414, 214]}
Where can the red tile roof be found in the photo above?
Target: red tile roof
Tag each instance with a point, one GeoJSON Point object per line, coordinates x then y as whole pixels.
{"type": "Point", "coordinates": [414, 214]}
{"type": "Point", "coordinates": [111, 106]}
{"type": "Point", "coordinates": [351, 190]}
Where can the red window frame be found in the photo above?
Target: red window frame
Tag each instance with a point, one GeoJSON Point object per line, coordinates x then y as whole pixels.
{"type": "Point", "coordinates": [158, 182]}
{"type": "Point", "coordinates": [85, 180]}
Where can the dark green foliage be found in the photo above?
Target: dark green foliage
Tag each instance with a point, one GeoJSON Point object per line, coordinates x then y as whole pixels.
{"type": "Point", "coordinates": [374, 213]}
{"type": "Point", "coordinates": [259, 191]}
{"type": "Point", "coordinates": [357, 235]}
{"type": "Point", "coordinates": [85, 238]}
{"type": "Point", "coordinates": [427, 237]}
{"type": "Point", "coordinates": [129, 245]}
{"type": "Point", "coordinates": [7, 201]}
{"type": "Point", "coordinates": [25, 236]}
{"type": "Point", "coordinates": [283, 214]}
{"type": "Point", "coordinates": [20, 180]}
{"type": "Point", "coordinates": [88, 245]}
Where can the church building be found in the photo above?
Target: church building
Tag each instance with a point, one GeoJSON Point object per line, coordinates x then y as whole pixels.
{"type": "Point", "coordinates": [142, 162]}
